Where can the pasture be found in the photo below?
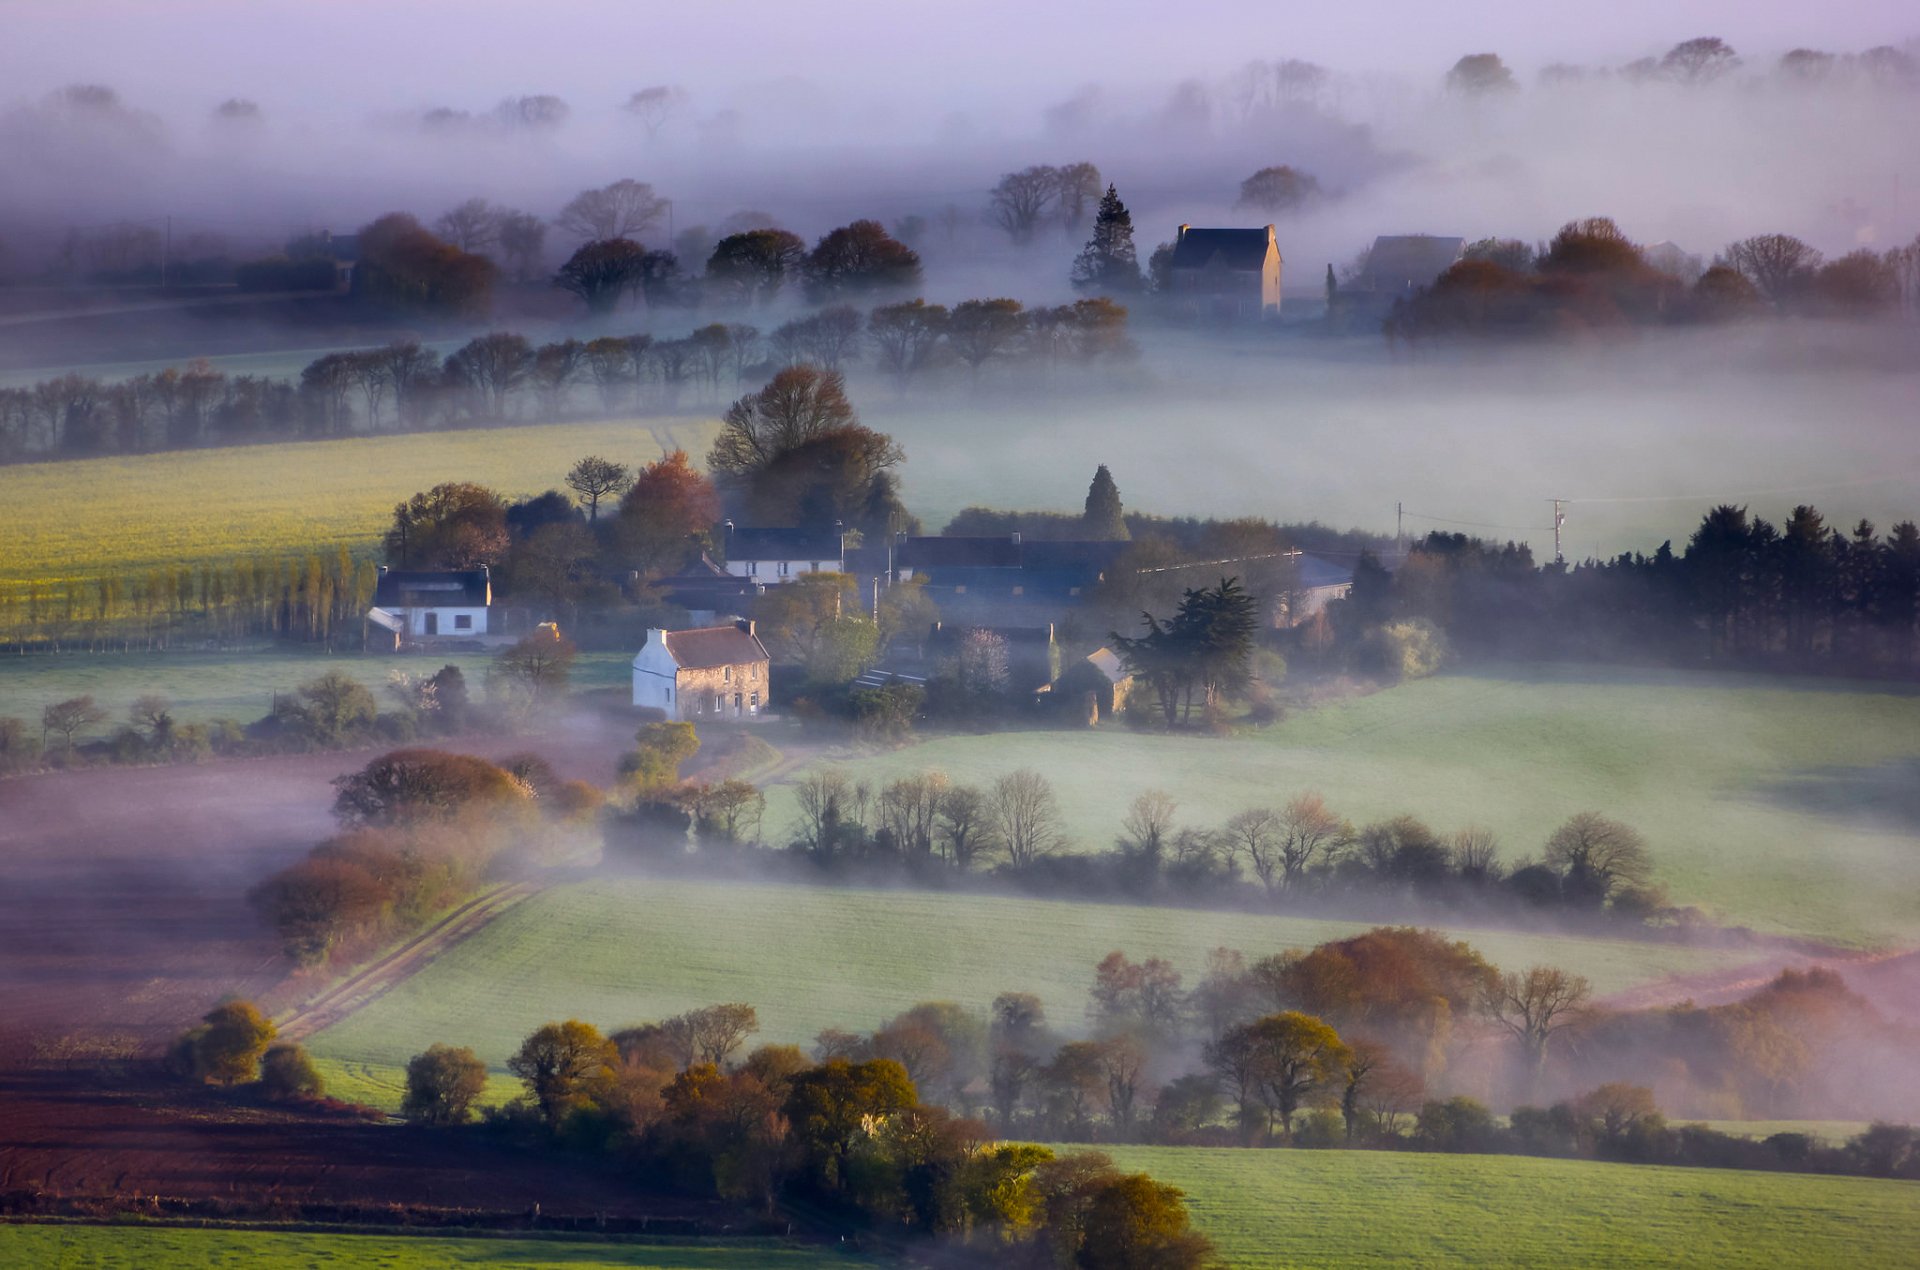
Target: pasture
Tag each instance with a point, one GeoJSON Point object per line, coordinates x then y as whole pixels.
{"type": "Point", "coordinates": [1787, 805]}
{"type": "Point", "coordinates": [74, 1247]}
{"type": "Point", "coordinates": [621, 951]}
{"type": "Point", "coordinates": [236, 684]}
{"type": "Point", "coordinates": [1362, 1208]}
{"type": "Point", "coordinates": [91, 517]}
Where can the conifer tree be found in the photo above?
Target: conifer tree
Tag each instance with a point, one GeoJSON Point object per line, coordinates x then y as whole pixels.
{"type": "Point", "coordinates": [1108, 264]}
{"type": "Point", "coordinates": [1104, 520]}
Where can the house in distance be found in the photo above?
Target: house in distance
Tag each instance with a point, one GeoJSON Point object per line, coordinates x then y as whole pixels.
{"type": "Point", "coordinates": [705, 673]}
{"type": "Point", "coordinates": [773, 556]}
{"type": "Point", "coordinates": [418, 606]}
{"type": "Point", "coordinates": [1231, 273]}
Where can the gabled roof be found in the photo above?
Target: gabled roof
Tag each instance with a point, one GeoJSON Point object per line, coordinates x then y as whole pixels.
{"type": "Point", "coordinates": [1314, 573]}
{"type": "Point", "coordinates": [708, 647]}
{"type": "Point", "coordinates": [1236, 249]}
{"type": "Point", "coordinates": [428, 588]}
{"type": "Point", "coordinates": [1089, 556]}
{"type": "Point", "coordinates": [1108, 663]}
{"type": "Point", "coordinates": [743, 543]}
{"type": "Point", "coordinates": [1404, 262]}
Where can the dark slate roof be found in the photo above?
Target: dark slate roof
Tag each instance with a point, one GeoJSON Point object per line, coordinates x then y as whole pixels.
{"type": "Point", "coordinates": [422, 589]}
{"type": "Point", "coordinates": [967, 553]}
{"type": "Point", "coordinates": [744, 543]}
{"type": "Point", "coordinates": [1239, 249]}
{"type": "Point", "coordinates": [1315, 573]}
{"type": "Point", "coordinates": [1404, 262]}
{"type": "Point", "coordinates": [1087, 556]}
{"type": "Point", "coordinates": [705, 647]}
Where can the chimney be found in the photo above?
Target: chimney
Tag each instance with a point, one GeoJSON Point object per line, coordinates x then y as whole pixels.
{"type": "Point", "coordinates": [746, 625]}
{"type": "Point", "coordinates": [1269, 233]}
{"type": "Point", "coordinates": [383, 571]}
{"type": "Point", "coordinates": [729, 524]}
{"type": "Point", "coordinates": [1016, 537]}
{"type": "Point", "coordinates": [1182, 233]}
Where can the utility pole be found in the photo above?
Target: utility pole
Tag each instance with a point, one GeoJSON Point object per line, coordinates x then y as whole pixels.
{"type": "Point", "coordinates": [166, 254]}
{"type": "Point", "coordinates": [1559, 519]}
{"type": "Point", "coordinates": [1400, 530]}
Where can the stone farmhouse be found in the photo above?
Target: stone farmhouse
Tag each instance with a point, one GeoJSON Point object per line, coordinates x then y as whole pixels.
{"type": "Point", "coordinates": [706, 673]}
{"type": "Point", "coordinates": [1230, 273]}
{"type": "Point", "coordinates": [417, 606]}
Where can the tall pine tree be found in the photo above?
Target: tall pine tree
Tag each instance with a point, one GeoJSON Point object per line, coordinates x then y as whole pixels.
{"type": "Point", "coordinates": [1107, 264]}
{"type": "Point", "coordinates": [1104, 520]}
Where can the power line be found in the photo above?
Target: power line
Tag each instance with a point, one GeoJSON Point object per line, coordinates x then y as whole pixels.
{"type": "Point", "coordinates": [1757, 493]}
{"type": "Point", "coordinates": [1480, 524]}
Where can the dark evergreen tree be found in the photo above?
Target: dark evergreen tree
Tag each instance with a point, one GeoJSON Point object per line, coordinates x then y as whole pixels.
{"type": "Point", "coordinates": [1105, 519]}
{"type": "Point", "coordinates": [1108, 262]}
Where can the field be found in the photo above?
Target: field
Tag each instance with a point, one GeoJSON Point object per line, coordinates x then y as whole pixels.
{"type": "Point", "coordinates": [159, 1248]}
{"type": "Point", "coordinates": [96, 516]}
{"type": "Point", "coordinates": [234, 684]}
{"type": "Point", "coordinates": [624, 951]}
{"type": "Point", "coordinates": [1791, 806]}
{"type": "Point", "coordinates": [1353, 1208]}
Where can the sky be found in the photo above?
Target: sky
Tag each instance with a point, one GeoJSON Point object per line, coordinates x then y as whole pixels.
{"type": "Point", "coordinates": [302, 52]}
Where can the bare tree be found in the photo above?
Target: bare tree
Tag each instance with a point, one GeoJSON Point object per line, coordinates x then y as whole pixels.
{"type": "Point", "coordinates": [1148, 824]}
{"type": "Point", "coordinates": [1076, 185]}
{"type": "Point", "coordinates": [1475, 853]}
{"type": "Point", "coordinates": [521, 236]}
{"type": "Point", "coordinates": [1309, 833]}
{"type": "Point", "coordinates": [1256, 834]}
{"type": "Point", "coordinates": [1534, 1007]}
{"type": "Point", "coordinates": [471, 226]}
{"type": "Point", "coordinates": [1779, 264]}
{"type": "Point", "coordinates": [1025, 816]}
{"type": "Point", "coordinates": [624, 209]}
{"type": "Point", "coordinates": [1020, 202]}
{"type": "Point", "coordinates": [69, 718]}
{"type": "Point", "coordinates": [655, 105]}
{"type": "Point", "coordinates": [1479, 73]}
{"type": "Point", "coordinates": [1699, 61]}
{"type": "Point", "coordinates": [1599, 856]}
{"type": "Point", "coordinates": [594, 478]}
{"type": "Point", "coordinates": [963, 825]}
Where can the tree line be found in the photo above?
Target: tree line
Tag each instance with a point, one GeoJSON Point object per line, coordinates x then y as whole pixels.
{"type": "Point", "coordinates": [1800, 595]}
{"type": "Point", "coordinates": [502, 376]}
{"type": "Point", "coordinates": [1592, 276]}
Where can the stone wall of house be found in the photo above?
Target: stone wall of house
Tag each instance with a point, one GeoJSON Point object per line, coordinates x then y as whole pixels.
{"type": "Point", "coordinates": [697, 690]}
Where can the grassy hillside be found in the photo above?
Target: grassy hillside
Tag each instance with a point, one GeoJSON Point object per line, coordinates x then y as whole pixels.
{"type": "Point", "coordinates": [619, 952]}
{"type": "Point", "coordinates": [1788, 805]}
{"type": "Point", "coordinates": [1355, 1208]}
{"type": "Point", "coordinates": [234, 684]}
{"type": "Point", "coordinates": [95, 516]}
{"type": "Point", "coordinates": [159, 1248]}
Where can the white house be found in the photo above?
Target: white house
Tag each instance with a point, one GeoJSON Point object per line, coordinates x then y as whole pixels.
{"type": "Point", "coordinates": [418, 605]}
{"type": "Point", "coordinates": [1317, 583]}
{"type": "Point", "coordinates": [771, 556]}
{"type": "Point", "coordinates": [710, 672]}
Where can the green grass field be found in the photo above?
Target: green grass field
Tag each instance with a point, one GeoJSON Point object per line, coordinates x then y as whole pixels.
{"type": "Point", "coordinates": [161, 1248]}
{"type": "Point", "coordinates": [1792, 806]}
{"type": "Point", "coordinates": [616, 952]}
{"type": "Point", "coordinates": [1363, 1208]}
{"type": "Point", "coordinates": [96, 516]}
{"type": "Point", "coordinates": [234, 684]}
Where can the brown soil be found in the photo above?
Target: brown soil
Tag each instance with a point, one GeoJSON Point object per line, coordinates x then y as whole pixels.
{"type": "Point", "coordinates": [123, 909]}
{"type": "Point", "coordinates": [93, 1140]}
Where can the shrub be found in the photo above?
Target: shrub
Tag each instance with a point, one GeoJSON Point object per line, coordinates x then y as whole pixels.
{"type": "Point", "coordinates": [225, 1048]}
{"type": "Point", "coordinates": [1398, 651]}
{"type": "Point", "coordinates": [287, 1072]}
{"type": "Point", "coordinates": [442, 1084]}
{"type": "Point", "coordinates": [409, 786]}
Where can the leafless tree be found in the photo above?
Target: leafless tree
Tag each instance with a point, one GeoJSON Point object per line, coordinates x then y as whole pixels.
{"type": "Point", "coordinates": [963, 825]}
{"type": "Point", "coordinates": [1779, 264]}
{"type": "Point", "coordinates": [471, 226]}
{"type": "Point", "coordinates": [1076, 186]}
{"type": "Point", "coordinates": [1025, 815]}
{"type": "Point", "coordinates": [521, 236]}
{"type": "Point", "coordinates": [1536, 1006]}
{"type": "Point", "coordinates": [1599, 855]}
{"type": "Point", "coordinates": [1256, 835]}
{"type": "Point", "coordinates": [624, 209]}
{"type": "Point", "coordinates": [1699, 61]}
{"type": "Point", "coordinates": [654, 106]}
{"type": "Point", "coordinates": [1020, 202]}
{"type": "Point", "coordinates": [1308, 833]}
{"type": "Point", "coordinates": [1148, 824]}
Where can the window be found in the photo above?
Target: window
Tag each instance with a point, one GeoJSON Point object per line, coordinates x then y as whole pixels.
{"type": "Point", "coordinates": [753, 567]}
{"type": "Point", "coordinates": [783, 568]}
{"type": "Point", "coordinates": [726, 674]}
{"type": "Point", "coordinates": [669, 696]}
{"type": "Point", "coordinates": [1019, 590]}
{"type": "Point", "coordinates": [753, 704]}
{"type": "Point", "coordinates": [814, 566]}
{"type": "Point", "coordinates": [463, 621]}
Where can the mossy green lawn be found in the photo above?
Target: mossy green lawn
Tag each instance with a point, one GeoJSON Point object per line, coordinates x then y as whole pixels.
{"type": "Point", "coordinates": [617, 951]}
{"type": "Point", "coordinates": [1365, 1208]}
{"type": "Point", "coordinates": [72, 1247]}
{"type": "Point", "coordinates": [92, 517]}
{"type": "Point", "coordinates": [1788, 805]}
